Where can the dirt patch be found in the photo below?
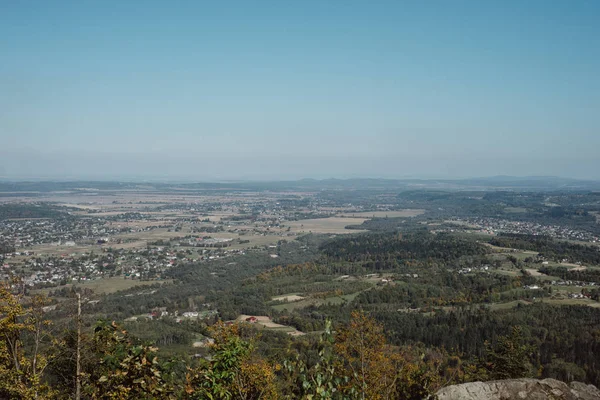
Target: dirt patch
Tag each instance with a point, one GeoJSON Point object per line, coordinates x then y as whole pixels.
{"type": "Point", "coordinates": [261, 319]}
{"type": "Point", "coordinates": [288, 298]}
{"type": "Point", "coordinates": [267, 323]}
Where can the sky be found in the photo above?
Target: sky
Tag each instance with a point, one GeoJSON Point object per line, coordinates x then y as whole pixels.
{"type": "Point", "coordinates": [210, 90]}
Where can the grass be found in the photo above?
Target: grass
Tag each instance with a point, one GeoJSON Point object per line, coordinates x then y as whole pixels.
{"type": "Point", "coordinates": [505, 272]}
{"type": "Point", "coordinates": [266, 323]}
{"type": "Point", "coordinates": [115, 284]}
{"type": "Point", "coordinates": [558, 302]}
{"type": "Point", "coordinates": [108, 285]}
{"type": "Point", "coordinates": [350, 297]}
{"type": "Point", "coordinates": [534, 272]}
{"type": "Point", "coordinates": [507, 251]}
{"type": "Point", "coordinates": [335, 300]}
{"type": "Point", "coordinates": [325, 225]}
{"type": "Point", "coordinates": [255, 240]}
{"type": "Point", "coordinates": [507, 306]}
{"type": "Point", "coordinates": [296, 305]}
{"type": "Point", "coordinates": [573, 302]}
{"type": "Point", "coordinates": [571, 289]}
{"type": "Point", "coordinates": [515, 210]}
{"type": "Point", "coordinates": [338, 223]}
{"type": "Point", "coordinates": [290, 297]}
{"type": "Point", "coordinates": [383, 214]}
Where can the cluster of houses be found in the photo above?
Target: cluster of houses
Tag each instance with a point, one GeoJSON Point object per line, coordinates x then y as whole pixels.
{"type": "Point", "coordinates": [573, 283]}
{"type": "Point", "coordinates": [67, 268]}
{"type": "Point", "coordinates": [161, 312]}
{"type": "Point", "coordinates": [59, 232]}
{"type": "Point", "coordinates": [204, 241]}
{"type": "Point", "coordinates": [498, 225]}
{"type": "Point", "coordinates": [482, 268]}
{"type": "Point", "coordinates": [580, 296]}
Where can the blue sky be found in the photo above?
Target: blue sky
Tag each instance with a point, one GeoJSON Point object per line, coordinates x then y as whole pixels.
{"type": "Point", "coordinates": [272, 89]}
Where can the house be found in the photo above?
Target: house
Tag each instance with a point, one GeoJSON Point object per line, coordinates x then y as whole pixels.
{"type": "Point", "coordinates": [190, 314]}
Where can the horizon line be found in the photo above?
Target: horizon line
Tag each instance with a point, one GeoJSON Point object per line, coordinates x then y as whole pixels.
{"type": "Point", "coordinates": [188, 180]}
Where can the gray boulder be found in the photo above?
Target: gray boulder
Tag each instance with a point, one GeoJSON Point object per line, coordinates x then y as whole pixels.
{"type": "Point", "coordinates": [517, 389]}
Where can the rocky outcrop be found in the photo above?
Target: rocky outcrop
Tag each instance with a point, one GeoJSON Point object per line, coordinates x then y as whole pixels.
{"type": "Point", "coordinates": [517, 389]}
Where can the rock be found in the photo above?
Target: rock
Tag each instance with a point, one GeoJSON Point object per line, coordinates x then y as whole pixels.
{"type": "Point", "coordinates": [517, 389]}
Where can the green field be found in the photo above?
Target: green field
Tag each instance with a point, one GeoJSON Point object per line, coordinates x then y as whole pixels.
{"type": "Point", "coordinates": [508, 305]}
{"type": "Point", "coordinates": [515, 210]}
{"type": "Point", "coordinates": [325, 225]}
{"type": "Point", "coordinates": [108, 285]}
{"type": "Point", "coordinates": [407, 213]}
{"type": "Point", "coordinates": [296, 305]}
{"type": "Point", "coordinates": [573, 302]}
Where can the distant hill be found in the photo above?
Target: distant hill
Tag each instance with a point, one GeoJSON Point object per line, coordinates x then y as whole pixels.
{"type": "Point", "coordinates": [532, 182]}
{"type": "Point", "coordinates": [536, 183]}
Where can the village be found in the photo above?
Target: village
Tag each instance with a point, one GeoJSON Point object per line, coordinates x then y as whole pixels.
{"type": "Point", "coordinates": [493, 226]}
{"type": "Point", "coordinates": [140, 241]}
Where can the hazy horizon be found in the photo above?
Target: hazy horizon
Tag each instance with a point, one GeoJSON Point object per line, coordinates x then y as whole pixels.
{"type": "Point", "coordinates": [271, 91]}
{"type": "Point", "coordinates": [191, 180]}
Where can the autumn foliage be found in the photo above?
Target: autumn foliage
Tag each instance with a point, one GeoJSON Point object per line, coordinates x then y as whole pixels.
{"type": "Point", "coordinates": [348, 361]}
{"type": "Point", "coordinates": [21, 368]}
{"type": "Point", "coordinates": [366, 359]}
{"type": "Point", "coordinates": [233, 372]}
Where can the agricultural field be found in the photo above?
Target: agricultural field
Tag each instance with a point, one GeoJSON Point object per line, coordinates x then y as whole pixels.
{"type": "Point", "coordinates": [508, 305]}
{"type": "Point", "coordinates": [297, 301]}
{"type": "Point", "coordinates": [515, 210]}
{"type": "Point", "coordinates": [335, 225]}
{"type": "Point", "coordinates": [108, 285]}
{"type": "Point", "coordinates": [315, 301]}
{"type": "Point", "coordinates": [265, 322]}
{"type": "Point", "coordinates": [408, 213]}
{"type": "Point", "coordinates": [115, 284]}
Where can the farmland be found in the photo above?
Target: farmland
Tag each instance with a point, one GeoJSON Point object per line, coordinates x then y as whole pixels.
{"type": "Point", "coordinates": [170, 263]}
{"type": "Point", "coordinates": [385, 214]}
{"type": "Point", "coordinates": [325, 225]}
